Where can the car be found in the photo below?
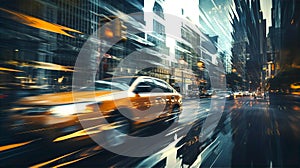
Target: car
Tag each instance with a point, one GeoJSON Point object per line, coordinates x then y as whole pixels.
{"type": "Point", "coordinates": [125, 103]}
{"type": "Point", "coordinates": [295, 88]}
{"type": "Point", "coordinates": [207, 93]}
{"type": "Point", "coordinates": [238, 94]}
{"type": "Point", "coordinates": [246, 93]}
{"type": "Point", "coordinates": [259, 95]}
{"type": "Point", "coordinates": [225, 94]}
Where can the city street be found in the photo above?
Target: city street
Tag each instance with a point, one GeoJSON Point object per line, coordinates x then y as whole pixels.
{"type": "Point", "coordinates": [260, 133]}
{"type": "Point", "coordinates": [251, 132]}
{"type": "Point", "coordinates": [162, 83]}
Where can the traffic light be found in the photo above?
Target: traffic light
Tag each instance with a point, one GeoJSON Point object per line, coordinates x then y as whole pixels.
{"type": "Point", "coordinates": [113, 29]}
{"type": "Point", "coordinates": [119, 29]}
{"type": "Point", "coordinates": [107, 31]}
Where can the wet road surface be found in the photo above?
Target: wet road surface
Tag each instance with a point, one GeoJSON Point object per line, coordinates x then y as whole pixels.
{"type": "Point", "coordinates": [250, 132]}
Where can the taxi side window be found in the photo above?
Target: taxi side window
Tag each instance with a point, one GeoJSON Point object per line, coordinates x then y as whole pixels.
{"type": "Point", "coordinates": [153, 85]}
{"type": "Point", "coordinates": [143, 87]}
{"type": "Point", "coordinates": [150, 82]}
{"type": "Point", "coordinates": [162, 87]}
{"type": "Point", "coordinates": [146, 85]}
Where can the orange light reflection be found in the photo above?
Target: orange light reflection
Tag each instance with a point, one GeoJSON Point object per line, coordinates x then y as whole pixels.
{"type": "Point", "coordinates": [38, 64]}
{"type": "Point", "coordinates": [9, 69]}
{"type": "Point", "coordinates": [11, 146]}
{"type": "Point", "coordinates": [40, 24]}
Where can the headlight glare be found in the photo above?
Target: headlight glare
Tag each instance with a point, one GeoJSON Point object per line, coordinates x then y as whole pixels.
{"type": "Point", "coordinates": [69, 109]}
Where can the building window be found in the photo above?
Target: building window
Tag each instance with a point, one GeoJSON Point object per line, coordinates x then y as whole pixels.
{"type": "Point", "coordinates": [158, 28]}
{"type": "Point", "coordinates": [157, 9]}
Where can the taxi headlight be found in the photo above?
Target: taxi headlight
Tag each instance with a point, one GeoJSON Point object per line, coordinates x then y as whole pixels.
{"type": "Point", "coordinates": [70, 109]}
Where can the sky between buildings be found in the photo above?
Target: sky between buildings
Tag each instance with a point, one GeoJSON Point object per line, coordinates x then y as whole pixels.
{"type": "Point", "coordinates": [266, 6]}
{"type": "Point", "coordinates": [213, 18]}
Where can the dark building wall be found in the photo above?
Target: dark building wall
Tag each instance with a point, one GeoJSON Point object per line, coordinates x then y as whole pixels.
{"type": "Point", "coordinates": [286, 33]}
{"type": "Point", "coordinates": [249, 33]}
{"type": "Point", "coordinates": [26, 43]}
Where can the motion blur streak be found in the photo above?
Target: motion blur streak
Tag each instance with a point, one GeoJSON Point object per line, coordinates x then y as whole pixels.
{"type": "Point", "coordinates": [73, 161]}
{"type": "Point", "coordinates": [92, 130]}
{"type": "Point", "coordinates": [67, 158]}
{"type": "Point", "coordinates": [73, 135]}
{"type": "Point", "coordinates": [37, 64]}
{"type": "Point", "coordinates": [84, 132]}
{"type": "Point", "coordinates": [9, 69]}
{"type": "Point", "coordinates": [53, 160]}
{"type": "Point", "coordinates": [51, 66]}
{"type": "Point", "coordinates": [12, 146]}
{"type": "Point", "coordinates": [40, 24]}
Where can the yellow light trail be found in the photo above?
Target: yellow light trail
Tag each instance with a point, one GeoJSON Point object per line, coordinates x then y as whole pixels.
{"type": "Point", "coordinates": [53, 160]}
{"type": "Point", "coordinates": [40, 24]}
{"type": "Point", "coordinates": [12, 146]}
{"type": "Point", "coordinates": [39, 64]}
{"type": "Point", "coordinates": [9, 69]}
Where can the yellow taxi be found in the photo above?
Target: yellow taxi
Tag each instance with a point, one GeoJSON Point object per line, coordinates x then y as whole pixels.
{"type": "Point", "coordinates": [295, 88]}
{"type": "Point", "coordinates": [124, 102]}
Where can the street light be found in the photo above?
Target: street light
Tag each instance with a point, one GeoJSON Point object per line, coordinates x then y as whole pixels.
{"type": "Point", "coordinates": [200, 65]}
